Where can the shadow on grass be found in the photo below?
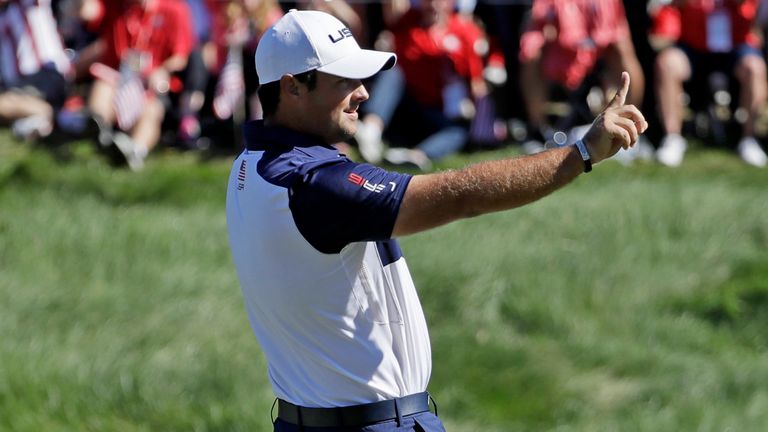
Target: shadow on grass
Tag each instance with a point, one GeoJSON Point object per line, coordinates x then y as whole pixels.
{"type": "Point", "coordinates": [739, 306]}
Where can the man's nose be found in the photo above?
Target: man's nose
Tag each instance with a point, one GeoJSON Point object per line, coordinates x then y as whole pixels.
{"type": "Point", "coordinates": [361, 94]}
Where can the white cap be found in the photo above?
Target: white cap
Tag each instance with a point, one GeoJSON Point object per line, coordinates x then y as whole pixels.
{"type": "Point", "coordinates": [304, 40]}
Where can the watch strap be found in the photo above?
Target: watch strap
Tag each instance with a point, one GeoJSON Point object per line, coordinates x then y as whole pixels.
{"type": "Point", "coordinates": [584, 155]}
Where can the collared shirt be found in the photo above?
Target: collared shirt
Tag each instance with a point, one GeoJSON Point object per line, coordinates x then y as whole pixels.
{"type": "Point", "coordinates": [327, 291]}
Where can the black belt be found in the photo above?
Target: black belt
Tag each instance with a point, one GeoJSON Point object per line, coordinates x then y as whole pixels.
{"type": "Point", "coordinates": [354, 415]}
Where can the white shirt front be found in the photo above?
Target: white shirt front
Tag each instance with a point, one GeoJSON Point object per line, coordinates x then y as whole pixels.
{"type": "Point", "coordinates": [339, 321]}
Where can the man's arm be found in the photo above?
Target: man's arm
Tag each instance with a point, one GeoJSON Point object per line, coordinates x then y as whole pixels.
{"type": "Point", "coordinates": [436, 199]}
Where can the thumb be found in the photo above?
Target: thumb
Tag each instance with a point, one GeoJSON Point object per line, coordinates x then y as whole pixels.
{"type": "Point", "coordinates": [621, 95]}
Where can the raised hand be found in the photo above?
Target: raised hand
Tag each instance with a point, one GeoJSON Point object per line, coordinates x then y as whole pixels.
{"type": "Point", "coordinates": [617, 126]}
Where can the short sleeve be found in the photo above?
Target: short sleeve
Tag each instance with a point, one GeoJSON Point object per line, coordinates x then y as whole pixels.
{"type": "Point", "coordinates": [334, 205]}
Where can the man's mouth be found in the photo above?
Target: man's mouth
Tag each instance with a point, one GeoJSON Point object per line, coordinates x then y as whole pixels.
{"type": "Point", "coordinates": [351, 112]}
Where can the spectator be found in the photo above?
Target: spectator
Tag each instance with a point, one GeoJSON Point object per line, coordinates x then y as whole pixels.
{"type": "Point", "coordinates": [79, 24]}
{"type": "Point", "coordinates": [33, 67]}
{"type": "Point", "coordinates": [505, 22]}
{"type": "Point", "coordinates": [338, 8]}
{"type": "Point", "coordinates": [438, 73]}
{"type": "Point", "coordinates": [562, 45]}
{"type": "Point", "coordinates": [195, 77]}
{"type": "Point", "coordinates": [715, 35]}
{"type": "Point", "coordinates": [240, 27]}
{"type": "Point", "coordinates": [146, 40]}
{"type": "Point", "coordinates": [330, 298]}
{"type": "Point", "coordinates": [639, 25]}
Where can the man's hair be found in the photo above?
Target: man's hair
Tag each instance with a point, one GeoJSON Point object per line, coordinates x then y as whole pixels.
{"type": "Point", "coordinates": [269, 93]}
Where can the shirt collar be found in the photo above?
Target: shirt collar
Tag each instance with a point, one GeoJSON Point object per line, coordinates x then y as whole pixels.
{"type": "Point", "coordinates": [259, 136]}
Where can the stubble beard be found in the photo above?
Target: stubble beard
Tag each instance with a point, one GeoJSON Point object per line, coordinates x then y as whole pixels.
{"type": "Point", "coordinates": [344, 130]}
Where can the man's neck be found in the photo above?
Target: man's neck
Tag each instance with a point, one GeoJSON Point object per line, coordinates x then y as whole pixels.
{"type": "Point", "coordinates": [292, 124]}
{"type": "Point", "coordinates": [287, 121]}
{"type": "Point", "coordinates": [274, 120]}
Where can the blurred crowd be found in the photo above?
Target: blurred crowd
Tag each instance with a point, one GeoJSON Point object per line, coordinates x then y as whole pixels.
{"type": "Point", "coordinates": [471, 74]}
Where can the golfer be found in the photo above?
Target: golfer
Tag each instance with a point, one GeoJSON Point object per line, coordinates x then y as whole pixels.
{"type": "Point", "coordinates": [327, 290]}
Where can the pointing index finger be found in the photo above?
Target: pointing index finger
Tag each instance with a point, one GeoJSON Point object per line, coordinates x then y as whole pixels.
{"type": "Point", "coordinates": [621, 95]}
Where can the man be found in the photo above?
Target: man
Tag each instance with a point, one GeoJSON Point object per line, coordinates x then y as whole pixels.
{"type": "Point", "coordinates": [142, 42]}
{"type": "Point", "coordinates": [716, 35]}
{"type": "Point", "coordinates": [425, 101]}
{"type": "Point", "coordinates": [33, 68]}
{"type": "Point", "coordinates": [562, 45]}
{"type": "Point", "coordinates": [326, 287]}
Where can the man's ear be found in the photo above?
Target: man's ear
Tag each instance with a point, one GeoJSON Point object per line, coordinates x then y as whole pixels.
{"type": "Point", "coordinates": [289, 85]}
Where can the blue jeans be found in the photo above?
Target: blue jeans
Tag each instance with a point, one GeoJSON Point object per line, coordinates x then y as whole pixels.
{"type": "Point", "coordinates": [422, 422]}
{"type": "Point", "coordinates": [406, 120]}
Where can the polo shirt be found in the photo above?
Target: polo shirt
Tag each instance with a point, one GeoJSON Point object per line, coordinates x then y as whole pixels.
{"type": "Point", "coordinates": [327, 291]}
{"type": "Point", "coordinates": [160, 29]}
{"type": "Point", "coordinates": [697, 29]}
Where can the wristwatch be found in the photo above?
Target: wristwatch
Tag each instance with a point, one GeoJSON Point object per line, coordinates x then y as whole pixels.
{"type": "Point", "coordinates": [584, 155]}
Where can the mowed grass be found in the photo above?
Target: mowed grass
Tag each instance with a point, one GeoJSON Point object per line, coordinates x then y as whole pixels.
{"type": "Point", "coordinates": [635, 299]}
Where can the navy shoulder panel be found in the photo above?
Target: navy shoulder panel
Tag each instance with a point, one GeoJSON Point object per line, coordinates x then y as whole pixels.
{"type": "Point", "coordinates": [284, 168]}
{"type": "Point", "coordinates": [334, 201]}
{"type": "Point", "coordinates": [287, 153]}
{"type": "Point", "coordinates": [334, 205]}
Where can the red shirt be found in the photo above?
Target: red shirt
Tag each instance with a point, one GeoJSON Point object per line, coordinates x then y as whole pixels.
{"type": "Point", "coordinates": [570, 35]}
{"type": "Point", "coordinates": [161, 30]}
{"type": "Point", "coordinates": [696, 30]}
{"type": "Point", "coordinates": [428, 55]}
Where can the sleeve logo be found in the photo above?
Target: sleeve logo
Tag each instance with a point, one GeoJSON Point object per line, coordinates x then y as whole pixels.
{"type": "Point", "coordinates": [373, 187]}
{"type": "Point", "coordinates": [241, 176]}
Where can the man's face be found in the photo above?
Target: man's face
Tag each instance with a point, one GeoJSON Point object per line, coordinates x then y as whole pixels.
{"type": "Point", "coordinates": [331, 108]}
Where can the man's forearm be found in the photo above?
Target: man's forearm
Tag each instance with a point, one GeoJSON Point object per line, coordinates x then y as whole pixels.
{"type": "Point", "coordinates": [436, 199]}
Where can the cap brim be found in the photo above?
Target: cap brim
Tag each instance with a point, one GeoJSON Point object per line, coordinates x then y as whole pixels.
{"type": "Point", "coordinates": [361, 65]}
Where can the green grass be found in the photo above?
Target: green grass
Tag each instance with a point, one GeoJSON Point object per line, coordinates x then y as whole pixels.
{"type": "Point", "coordinates": [635, 299]}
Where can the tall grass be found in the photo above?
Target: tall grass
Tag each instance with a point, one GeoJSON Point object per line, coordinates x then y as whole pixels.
{"type": "Point", "coordinates": [635, 299]}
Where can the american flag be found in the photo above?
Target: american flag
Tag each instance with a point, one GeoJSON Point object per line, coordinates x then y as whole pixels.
{"type": "Point", "coordinates": [29, 40]}
{"type": "Point", "coordinates": [129, 98]}
{"type": "Point", "coordinates": [241, 176]}
{"type": "Point", "coordinates": [241, 173]}
{"type": "Point", "coordinates": [231, 86]}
